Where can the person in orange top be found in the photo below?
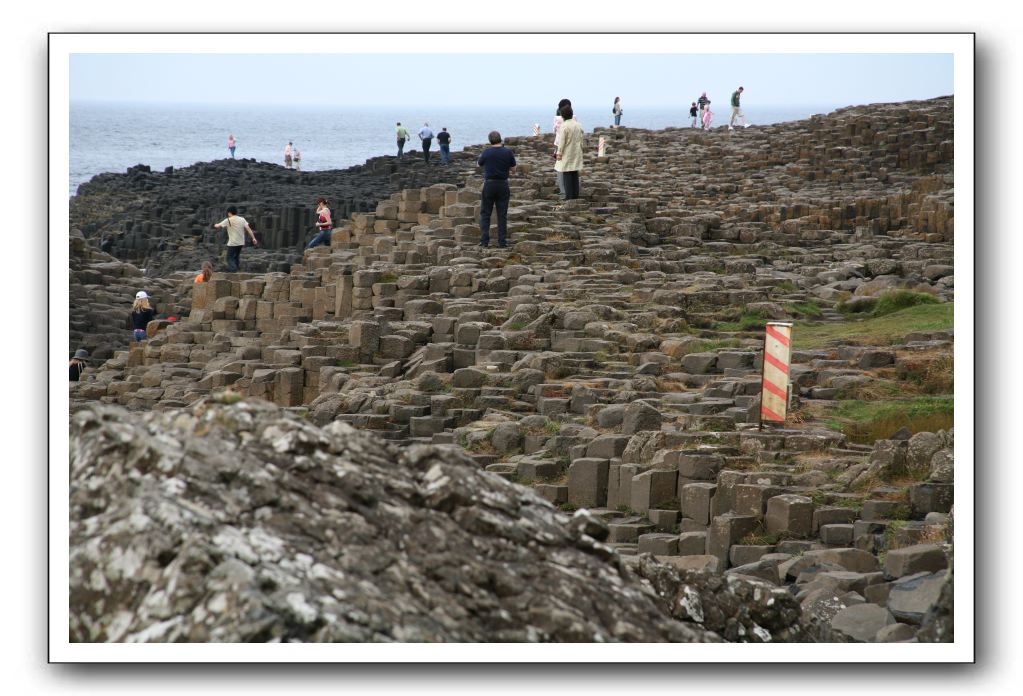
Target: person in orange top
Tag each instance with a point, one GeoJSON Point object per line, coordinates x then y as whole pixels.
{"type": "Point", "coordinates": [207, 273]}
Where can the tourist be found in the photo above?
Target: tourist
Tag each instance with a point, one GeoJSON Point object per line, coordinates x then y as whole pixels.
{"type": "Point", "coordinates": [206, 274]}
{"type": "Point", "coordinates": [297, 157]}
{"type": "Point", "coordinates": [236, 227]}
{"type": "Point", "coordinates": [78, 364]}
{"type": "Point", "coordinates": [703, 103]}
{"type": "Point", "coordinates": [230, 144]}
{"type": "Point", "coordinates": [444, 140]}
{"type": "Point", "coordinates": [426, 135]}
{"type": "Point", "coordinates": [106, 244]}
{"type": "Point", "coordinates": [692, 115]}
{"type": "Point", "coordinates": [497, 161]}
{"type": "Point", "coordinates": [141, 314]}
{"type": "Point", "coordinates": [708, 116]}
{"type": "Point", "coordinates": [558, 120]}
{"type": "Point", "coordinates": [402, 134]}
{"type": "Point", "coordinates": [617, 111]}
{"type": "Point", "coordinates": [736, 111]}
{"type": "Point", "coordinates": [570, 153]}
{"type": "Point", "coordinates": [287, 156]}
{"type": "Point", "coordinates": [324, 224]}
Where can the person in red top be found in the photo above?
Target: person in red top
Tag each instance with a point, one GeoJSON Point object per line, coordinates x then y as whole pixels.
{"type": "Point", "coordinates": [206, 275]}
{"type": "Point", "coordinates": [324, 224]}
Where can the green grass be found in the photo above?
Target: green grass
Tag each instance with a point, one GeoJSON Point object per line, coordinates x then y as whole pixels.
{"type": "Point", "coordinates": [786, 286]}
{"type": "Point", "coordinates": [808, 309]}
{"type": "Point", "coordinates": [885, 303]}
{"type": "Point", "coordinates": [875, 331]}
{"type": "Point", "coordinates": [516, 326]}
{"type": "Point", "coordinates": [713, 344]}
{"type": "Point", "coordinates": [867, 421]}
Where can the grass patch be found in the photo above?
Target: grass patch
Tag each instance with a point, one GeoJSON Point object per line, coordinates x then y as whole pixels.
{"type": "Point", "coordinates": [347, 363]}
{"type": "Point", "coordinates": [874, 390]}
{"type": "Point", "coordinates": [809, 310]}
{"type": "Point", "coordinates": [787, 286]}
{"type": "Point", "coordinates": [930, 373]}
{"type": "Point", "coordinates": [875, 331]}
{"type": "Point", "coordinates": [388, 278]}
{"type": "Point", "coordinates": [712, 344]}
{"type": "Point", "coordinates": [885, 303]}
{"type": "Point", "coordinates": [867, 421]}
{"type": "Point", "coordinates": [516, 326]}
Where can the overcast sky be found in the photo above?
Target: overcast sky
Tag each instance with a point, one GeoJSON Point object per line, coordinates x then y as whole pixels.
{"type": "Point", "coordinates": [488, 80]}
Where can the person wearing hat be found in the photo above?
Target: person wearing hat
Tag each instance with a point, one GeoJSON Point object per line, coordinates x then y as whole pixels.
{"type": "Point", "coordinates": [78, 364]}
{"type": "Point", "coordinates": [141, 314]}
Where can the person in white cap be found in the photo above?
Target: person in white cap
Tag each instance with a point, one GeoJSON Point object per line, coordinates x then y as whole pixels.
{"type": "Point", "coordinates": [141, 314]}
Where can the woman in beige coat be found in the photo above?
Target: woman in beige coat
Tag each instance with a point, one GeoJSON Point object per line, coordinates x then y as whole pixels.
{"type": "Point", "coordinates": [570, 153]}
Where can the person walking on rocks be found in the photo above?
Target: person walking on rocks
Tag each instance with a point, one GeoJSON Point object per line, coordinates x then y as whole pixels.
{"type": "Point", "coordinates": [297, 159]}
{"type": "Point", "coordinates": [497, 162]}
{"type": "Point", "coordinates": [141, 314]}
{"type": "Point", "coordinates": [444, 140]}
{"type": "Point", "coordinates": [569, 157]}
{"type": "Point", "coordinates": [708, 116]}
{"type": "Point", "coordinates": [402, 134]}
{"type": "Point", "coordinates": [692, 115]}
{"type": "Point", "coordinates": [230, 144]}
{"type": "Point", "coordinates": [78, 364]}
{"type": "Point", "coordinates": [616, 110]}
{"type": "Point", "coordinates": [426, 135]}
{"type": "Point", "coordinates": [236, 227]}
{"type": "Point", "coordinates": [558, 120]}
{"type": "Point", "coordinates": [287, 156]}
{"type": "Point", "coordinates": [736, 110]}
{"type": "Point", "coordinates": [206, 274]}
{"type": "Point", "coordinates": [324, 224]}
{"type": "Point", "coordinates": [703, 103]}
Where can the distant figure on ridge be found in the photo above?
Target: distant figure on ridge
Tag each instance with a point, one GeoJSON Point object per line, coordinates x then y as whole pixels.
{"type": "Point", "coordinates": [570, 153]}
{"type": "Point", "coordinates": [287, 156]}
{"type": "Point", "coordinates": [230, 144]}
{"type": "Point", "coordinates": [141, 314]}
{"type": "Point", "coordinates": [426, 135]}
{"type": "Point", "coordinates": [444, 140]}
{"type": "Point", "coordinates": [497, 161]}
{"type": "Point", "coordinates": [402, 134]}
{"type": "Point", "coordinates": [297, 157]}
{"type": "Point", "coordinates": [106, 244]}
{"type": "Point", "coordinates": [617, 111]}
{"type": "Point", "coordinates": [708, 116]}
{"type": "Point", "coordinates": [78, 364]}
{"type": "Point", "coordinates": [703, 103]}
{"type": "Point", "coordinates": [736, 111]}
{"type": "Point", "coordinates": [206, 274]}
{"type": "Point", "coordinates": [236, 227]}
{"type": "Point", "coordinates": [692, 115]}
{"type": "Point", "coordinates": [324, 224]}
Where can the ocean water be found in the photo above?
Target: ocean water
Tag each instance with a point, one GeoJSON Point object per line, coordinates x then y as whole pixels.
{"type": "Point", "coordinates": [114, 137]}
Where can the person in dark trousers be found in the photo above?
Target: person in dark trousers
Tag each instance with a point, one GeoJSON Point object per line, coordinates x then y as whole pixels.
{"type": "Point", "coordinates": [497, 162]}
{"type": "Point", "coordinates": [324, 224]}
{"type": "Point", "coordinates": [426, 135]}
{"type": "Point", "coordinates": [236, 227]}
{"type": "Point", "coordinates": [141, 314]}
{"type": "Point", "coordinates": [692, 115]}
{"type": "Point", "coordinates": [702, 102]}
{"type": "Point", "coordinates": [444, 140]}
{"type": "Point", "coordinates": [106, 245]}
{"type": "Point", "coordinates": [569, 159]}
{"type": "Point", "coordinates": [402, 133]}
{"type": "Point", "coordinates": [77, 365]}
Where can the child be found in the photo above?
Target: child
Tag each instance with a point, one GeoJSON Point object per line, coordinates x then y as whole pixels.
{"type": "Point", "coordinates": [692, 115]}
{"type": "Point", "coordinates": [141, 314]}
{"type": "Point", "coordinates": [707, 117]}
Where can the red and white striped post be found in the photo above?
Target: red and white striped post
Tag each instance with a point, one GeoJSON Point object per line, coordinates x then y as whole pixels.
{"type": "Point", "coordinates": [536, 129]}
{"type": "Point", "coordinates": [601, 144]}
{"type": "Point", "coordinates": [774, 395]}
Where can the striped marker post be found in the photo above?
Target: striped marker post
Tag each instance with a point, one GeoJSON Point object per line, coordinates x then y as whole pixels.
{"type": "Point", "coordinates": [600, 146]}
{"type": "Point", "coordinates": [774, 396]}
{"type": "Point", "coordinates": [536, 129]}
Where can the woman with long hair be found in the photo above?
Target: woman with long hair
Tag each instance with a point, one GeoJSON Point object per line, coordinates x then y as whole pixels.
{"type": "Point", "coordinates": [206, 274]}
{"type": "Point", "coordinates": [616, 109]}
{"type": "Point", "coordinates": [141, 314]}
{"type": "Point", "coordinates": [324, 224]}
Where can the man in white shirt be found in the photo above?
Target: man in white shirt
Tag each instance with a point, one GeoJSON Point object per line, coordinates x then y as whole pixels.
{"type": "Point", "coordinates": [426, 135]}
{"type": "Point", "coordinates": [287, 156]}
{"type": "Point", "coordinates": [236, 226]}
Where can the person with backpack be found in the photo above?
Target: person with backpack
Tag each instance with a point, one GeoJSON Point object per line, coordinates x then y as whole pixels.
{"type": "Point", "coordinates": [617, 111]}
{"type": "Point", "coordinates": [236, 227]}
{"type": "Point", "coordinates": [141, 314]}
{"type": "Point", "coordinates": [324, 224]}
